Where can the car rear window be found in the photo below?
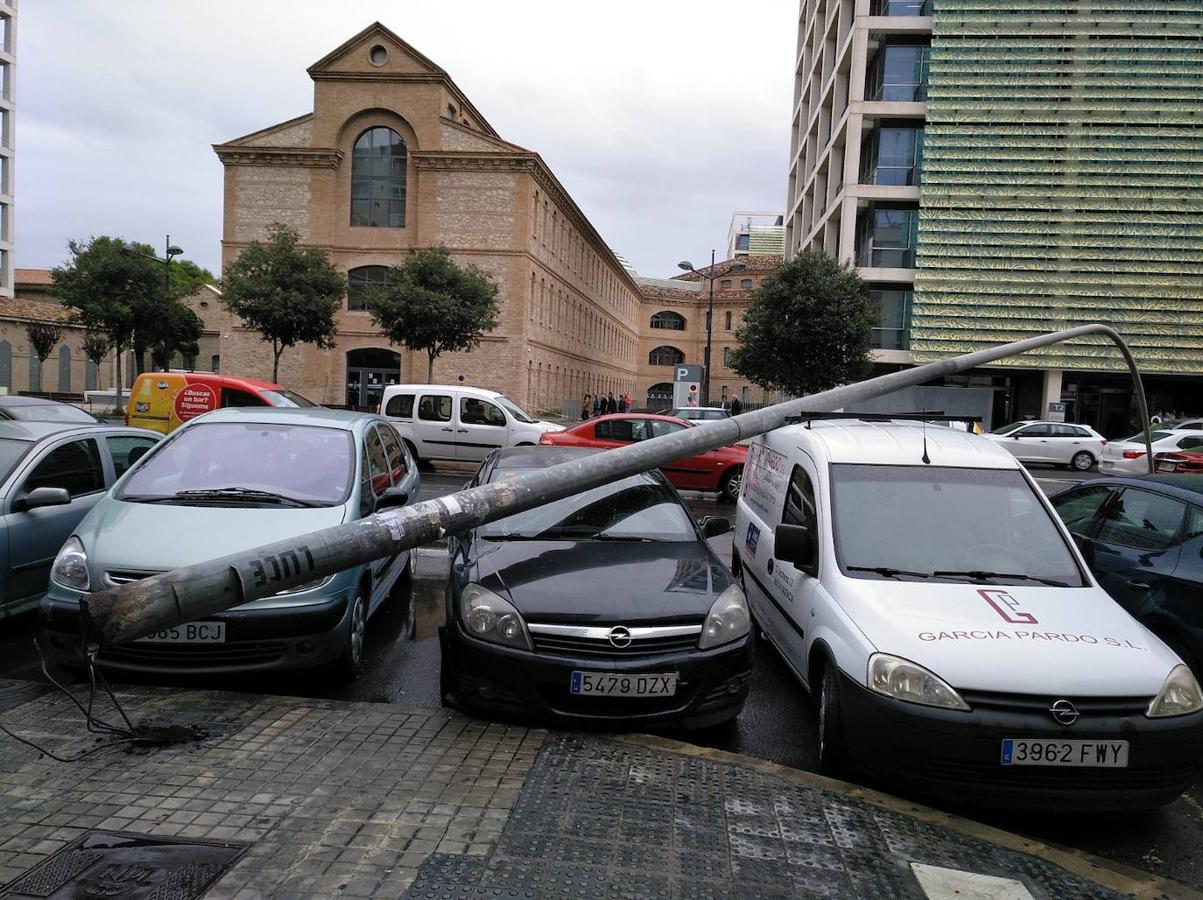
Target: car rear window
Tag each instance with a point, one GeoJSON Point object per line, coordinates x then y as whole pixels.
{"type": "Point", "coordinates": [1154, 437]}
{"type": "Point", "coordinates": [400, 406]}
{"type": "Point", "coordinates": [49, 412]}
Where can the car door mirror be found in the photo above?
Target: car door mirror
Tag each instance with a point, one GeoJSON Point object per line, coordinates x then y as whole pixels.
{"type": "Point", "coordinates": [42, 497]}
{"type": "Point", "coordinates": [713, 526]}
{"type": "Point", "coordinates": [796, 544]}
{"type": "Point", "coordinates": [394, 496]}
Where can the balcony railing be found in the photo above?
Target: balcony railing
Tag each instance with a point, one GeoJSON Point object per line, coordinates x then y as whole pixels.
{"type": "Point", "coordinates": [901, 8]}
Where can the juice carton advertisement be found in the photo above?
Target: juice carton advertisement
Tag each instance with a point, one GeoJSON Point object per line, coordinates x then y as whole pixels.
{"type": "Point", "coordinates": [166, 400]}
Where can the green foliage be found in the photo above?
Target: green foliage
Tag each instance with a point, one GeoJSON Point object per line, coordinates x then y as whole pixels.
{"type": "Point", "coordinates": [43, 338]}
{"type": "Point", "coordinates": [96, 346]}
{"type": "Point", "coordinates": [432, 304]}
{"type": "Point", "coordinates": [288, 294]}
{"type": "Point", "coordinates": [179, 329]}
{"type": "Point", "coordinates": [807, 328]}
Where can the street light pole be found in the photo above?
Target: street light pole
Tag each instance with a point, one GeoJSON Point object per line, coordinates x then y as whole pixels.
{"type": "Point", "coordinates": [688, 267]}
{"type": "Point", "coordinates": [170, 251]}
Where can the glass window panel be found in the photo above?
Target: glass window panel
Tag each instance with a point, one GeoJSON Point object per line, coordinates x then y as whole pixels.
{"type": "Point", "coordinates": [76, 467]}
{"type": "Point", "coordinates": [1143, 520]}
{"type": "Point", "coordinates": [378, 174]}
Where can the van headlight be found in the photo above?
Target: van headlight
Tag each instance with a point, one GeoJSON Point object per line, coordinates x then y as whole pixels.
{"type": "Point", "coordinates": [727, 620]}
{"type": "Point", "coordinates": [490, 618]}
{"type": "Point", "coordinates": [1179, 695]}
{"type": "Point", "coordinates": [70, 567]}
{"type": "Point", "coordinates": [907, 681]}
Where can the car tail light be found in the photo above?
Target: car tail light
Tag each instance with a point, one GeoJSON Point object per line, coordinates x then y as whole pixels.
{"type": "Point", "coordinates": [1103, 442]}
{"type": "Point", "coordinates": [1133, 454]}
{"type": "Point", "coordinates": [544, 439]}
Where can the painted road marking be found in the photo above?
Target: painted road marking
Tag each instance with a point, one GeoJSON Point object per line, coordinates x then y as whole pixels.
{"type": "Point", "coordinates": [954, 884]}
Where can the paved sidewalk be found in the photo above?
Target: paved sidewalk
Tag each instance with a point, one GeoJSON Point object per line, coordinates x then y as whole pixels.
{"type": "Point", "coordinates": [319, 798]}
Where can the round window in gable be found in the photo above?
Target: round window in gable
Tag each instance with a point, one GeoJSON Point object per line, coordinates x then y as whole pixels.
{"type": "Point", "coordinates": [204, 304]}
{"type": "Point", "coordinates": [378, 55]}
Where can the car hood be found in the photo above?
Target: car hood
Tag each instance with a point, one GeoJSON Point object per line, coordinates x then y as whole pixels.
{"type": "Point", "coordinates": [1013, 639]}
{"type": "Point", "coordinates": [149, 537]}
{"type": "Point", "coordinates": [549, 427]}
{"type": "Point", "coordinates": [560, 581]}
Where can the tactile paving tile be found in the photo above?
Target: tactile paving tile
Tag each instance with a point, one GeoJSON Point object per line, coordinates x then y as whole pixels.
{"type": "Point", "coordinates": [600, 818]}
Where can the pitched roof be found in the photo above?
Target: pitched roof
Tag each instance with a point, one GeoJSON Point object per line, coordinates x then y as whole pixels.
{"type": "Point", "coordinates": [32, 276]}
{"type": "Point", "coordinates": [34, 311]}
{"type": "Point", "coordinates": [750, 264]}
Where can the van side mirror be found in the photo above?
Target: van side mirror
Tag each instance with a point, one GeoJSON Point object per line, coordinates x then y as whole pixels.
{"type": "Point", "coordinates": [713, 526]}
{"type": "Point", "coordinates": [42, 497]}
{"type": "Point", "coordinates": [796, 544]}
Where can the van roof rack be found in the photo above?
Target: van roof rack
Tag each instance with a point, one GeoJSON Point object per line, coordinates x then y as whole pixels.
{"type": "Point", "coordinates": [807, 417]}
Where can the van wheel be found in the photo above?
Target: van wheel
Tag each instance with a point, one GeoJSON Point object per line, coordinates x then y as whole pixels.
{"type": "Point", "coordinates": [350, 663]}
{"type": "Point", "coordinates": [729, 489]}
{"type": "Point", "coordinates": [833, 751]}
{"type": "Point", "coordinates": [1082, 461]}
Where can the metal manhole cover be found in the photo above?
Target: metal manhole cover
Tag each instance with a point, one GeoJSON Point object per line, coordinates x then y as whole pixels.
{"type": "Point", "coordinates": [130, 866]}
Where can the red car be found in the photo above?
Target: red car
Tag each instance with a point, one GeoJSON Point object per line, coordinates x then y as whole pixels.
{"type": "Point", "coordinates": [1179, 461]}
{"type": "Point", "coordinates": [715, 470]}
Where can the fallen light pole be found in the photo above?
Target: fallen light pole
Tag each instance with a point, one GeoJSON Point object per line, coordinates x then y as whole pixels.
{"type": "Point", "coordinates": [143, 607]}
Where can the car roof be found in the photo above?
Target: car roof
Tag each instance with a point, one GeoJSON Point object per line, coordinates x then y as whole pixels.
{"type": "Point", "coordinates": [662, 417]}
{"type": "Point", "coordinates": [29, 401]}
{"type": "Point", "coordinates": [35, 431]}
{"type": "Point", "coordinates": [1169, 433]}
{"type": "Point", "coordinates": [1025, 422]}
{"type": "Point", "coordinates": [1188, 487]}
{"type": "Point", "coordinates": [231, 380]}
{"type": "Point", "coordinates": [287, 415]}
{"type": "Point", "coordinates": [540, 456]}
{"type": "Point", "coordinates": [485, 392]}
{"type": "Point", "coordinates": [900, 443]}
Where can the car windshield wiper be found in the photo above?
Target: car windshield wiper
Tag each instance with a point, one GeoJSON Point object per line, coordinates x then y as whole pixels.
{"type": "Point", "coordinates": [890, 571]}
{"type": "Point", "coordinates": [979, 575]}
{"type": "Point", "coordinates": [514, 536]}
{"type": "Point", "coordinates": [623, 537]}
{"type": "Point", "coordinates": [225, 494]}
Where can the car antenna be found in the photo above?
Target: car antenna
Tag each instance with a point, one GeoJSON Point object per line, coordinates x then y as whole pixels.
{"type": "Point", "coordinates": [926, 458]}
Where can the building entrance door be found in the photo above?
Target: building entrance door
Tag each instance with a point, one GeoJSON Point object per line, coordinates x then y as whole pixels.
{"type": "Point", "coordinates": [369, 371]}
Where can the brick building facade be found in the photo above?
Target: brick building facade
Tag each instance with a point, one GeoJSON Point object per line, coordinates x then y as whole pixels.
{"type": "Point", "coordinates": [394, 157]}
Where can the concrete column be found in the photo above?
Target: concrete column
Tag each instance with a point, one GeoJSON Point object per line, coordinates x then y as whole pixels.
{"type": "Point", "coordinates": [1052, 390]}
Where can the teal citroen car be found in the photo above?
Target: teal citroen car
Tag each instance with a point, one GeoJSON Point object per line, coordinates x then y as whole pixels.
{"type": "Point", "coordinates": [231, 480]}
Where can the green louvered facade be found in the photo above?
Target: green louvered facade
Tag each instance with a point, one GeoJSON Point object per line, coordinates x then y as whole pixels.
{"type": "Point", "coordinates": [1063, 180]}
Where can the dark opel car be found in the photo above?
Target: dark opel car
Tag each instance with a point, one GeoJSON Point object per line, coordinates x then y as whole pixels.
{"type": "Point", "coordinates": [606, 607]}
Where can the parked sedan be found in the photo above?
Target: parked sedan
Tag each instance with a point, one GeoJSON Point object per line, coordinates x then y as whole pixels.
{"type": "Point", "coordinates": [228, 481]}
{"type": "Point", "coordinates": [715, 470]}
{"type": "Point", "coordinates": [39, 409]}
{"type": "Point", "coordinates": [51, 474]}
{"type": "Point", "coordinates": [698, 413]}
{"type": "Point", "coordinates": [1056, 443]}
{"type": "Point", "coordinates": [1179, 461]}
{"type": "Point", "coordinates": [1129, 456]}
{"type": "Point", "coordinates": [605, 607]}
{"type": "Point", "coordinates": [1143, 539]}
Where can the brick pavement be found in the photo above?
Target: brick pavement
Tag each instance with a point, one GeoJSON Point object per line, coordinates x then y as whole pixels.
{"type": "Point", "coordinates": [341, 799]}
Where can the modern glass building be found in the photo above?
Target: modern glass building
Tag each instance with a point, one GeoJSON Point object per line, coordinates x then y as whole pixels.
{"type": "Point", "coordinates": [998, 169]}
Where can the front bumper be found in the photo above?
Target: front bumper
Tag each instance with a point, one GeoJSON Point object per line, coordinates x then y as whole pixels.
{"type": "Point", "coordinates": [258, 639]}
{"type": "Point", "coordinates": [955, 756]}
{"type": "Point", "coordinates": [484, 678]}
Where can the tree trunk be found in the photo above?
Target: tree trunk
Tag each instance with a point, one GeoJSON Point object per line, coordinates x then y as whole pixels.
{"type": "Point", "coordinates": [276, 350]}
{"type": "Point", "coordinates": [117, 382]}
{"type": "Point", "coordinates": [430, 367]}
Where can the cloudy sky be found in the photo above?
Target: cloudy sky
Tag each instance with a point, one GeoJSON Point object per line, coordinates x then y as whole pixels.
{"type": "Point", "coordinates": [661, 117]}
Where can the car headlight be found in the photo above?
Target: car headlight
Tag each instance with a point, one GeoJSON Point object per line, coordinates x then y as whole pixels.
{"type": "Point", "coordinates": [1179, 695]}
{"type": "Point", "coordinates": [904, 680]}
{"type": "Point", "coordinates": [727, 620]}
{"type": "Point", "coordinates": [70, 567]}
{"type": "Point", "coordinates": [490, 618]}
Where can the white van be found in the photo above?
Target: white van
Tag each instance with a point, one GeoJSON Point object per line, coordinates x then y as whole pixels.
{"type": "Point", "coordinates": [919, 584]}
{"type": "Point", "coordinates": [443, 421]}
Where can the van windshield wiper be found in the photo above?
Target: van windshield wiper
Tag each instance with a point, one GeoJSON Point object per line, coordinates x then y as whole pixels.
{"type": "Point", "coordinates": [890, 571]}
{"type": "Point", "coordinates": [979, 575]}
{"type": "Point", "coordinates": [226, 494]}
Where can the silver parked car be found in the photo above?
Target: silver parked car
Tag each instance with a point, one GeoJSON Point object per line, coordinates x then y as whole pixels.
{"type": "Point", "coordinates": [1055, 443]}
{"type": "Point", "coordinates": [51, 475]}
{"type": "Point", "coordinates": [226, 481]}
{"type": "Point", "coordinates": [39, 409]}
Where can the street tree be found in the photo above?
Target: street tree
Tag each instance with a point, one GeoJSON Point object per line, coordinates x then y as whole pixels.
{"type": "Point", "coordinates": [287, 293]}
{"type": "Point", "coordinates": [432, 304]}
{"type": "Point", "coordinates": [113, 292]}
{"type": "Point", "coordinates": [807, 328]}
{"type": "Point", "coordinates": [96, 347]}
{"type": "Point", "coordinates": [177, 330]}
{"type": "Point", "coordinates": [43, 338]}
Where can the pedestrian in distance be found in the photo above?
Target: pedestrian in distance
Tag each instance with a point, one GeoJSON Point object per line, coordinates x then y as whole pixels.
{"type": "Point", "coordinates": [586, 405]}
{"type": "Point", "coordinates": [598, 404]}
{"type": "Point", "coordinates": [611, 404]}
{"type": "Point", "coordinates": [736, 406]}
{"type": "Point", "coordinates": [626, 402]}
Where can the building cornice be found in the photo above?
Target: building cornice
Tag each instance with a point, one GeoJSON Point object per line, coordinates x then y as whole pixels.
{"type": "Point", "coordinates": [471, 160]}
{"type": "Point", "coordinates": [307, 157]}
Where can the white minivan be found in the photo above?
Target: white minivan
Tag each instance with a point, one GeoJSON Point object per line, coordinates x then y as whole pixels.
{"type": "Point", "coordinates": [919, 584]}
{"type": "Point", "coordinates": [443, 421]}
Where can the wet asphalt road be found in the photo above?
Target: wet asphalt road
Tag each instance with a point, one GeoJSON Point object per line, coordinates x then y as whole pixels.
{"type": "Point", "coordinates": [402, 659]}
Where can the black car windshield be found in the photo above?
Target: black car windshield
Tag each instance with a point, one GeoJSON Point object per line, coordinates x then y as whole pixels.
{"type": "Point", "coordinates": [11, 453]}
{"type": "Point", "coordinates": [48, 412]}
{"type": "Point", "coordinates": [941, 523]}
{"type": "Point", "coordinates": [514, 409]}
{"type": "Point", "coordinates": [635, 508]}
{"type": "Point", "coordinates": [300, 464]}
{"type": "Point", "coordinates": [286, 398]}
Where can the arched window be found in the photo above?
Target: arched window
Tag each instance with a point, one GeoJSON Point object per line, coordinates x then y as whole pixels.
{"type": "Point", "coordinates": [665, 356]}
{"type": "Point", "coordinates": [667, 319]}
{"type": "Point", "coordinates": [359, 280]}
{"type": "Point", "coordinates": [378, 179]}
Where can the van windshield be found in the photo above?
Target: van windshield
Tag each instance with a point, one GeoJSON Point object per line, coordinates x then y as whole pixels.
{"type": "Point", "coordinates": [514, 409]}
{"type": "Point", "coordinates": [942, 523]}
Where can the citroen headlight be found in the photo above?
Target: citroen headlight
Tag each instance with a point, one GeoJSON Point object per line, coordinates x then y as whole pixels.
{"type": "Point", "coordinates": [727, 620]}
{"type": "Point", "coordinates": [904, 680]}
{"type": "Point", "coordinates": [70, 567]}
{"type": "Point", "coordinates": [1178, 696]}
{"type": "Point", "coordinates": [490, 618]}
